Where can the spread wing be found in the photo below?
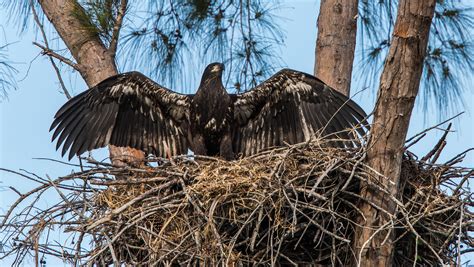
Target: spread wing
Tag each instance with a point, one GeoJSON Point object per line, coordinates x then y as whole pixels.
{"type": "Point", "coordinates": [291, 107]}
{"type": "Point", "coordinates": [126, 110]}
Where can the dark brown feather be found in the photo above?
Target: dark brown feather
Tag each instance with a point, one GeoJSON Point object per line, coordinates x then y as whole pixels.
{"type": "Point", "coordinates": [302, 106]}
{"type": "Point", "coordinates": [130, 110]}
{"type": "Point", "coordinates": [124, 110]}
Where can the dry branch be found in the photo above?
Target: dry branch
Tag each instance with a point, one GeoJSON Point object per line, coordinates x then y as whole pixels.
{"type": "Point", "coordinates": [283, 206]}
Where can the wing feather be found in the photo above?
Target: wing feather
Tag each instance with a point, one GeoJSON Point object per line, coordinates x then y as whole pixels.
{"type": "Point", "coordinates": [293, 107]}
{"type": "Point", "coordinates": [146, 141]}
{"type": "Point", "coordinates": [71, 104]}
{"type": "Point", "coordinates": [66, 121]}
{"type": "Point", "coordinates": [135, 126]}
{"type": "Point", "coordinates": [353, 116]}
{"type": "Point", "coordinates": [74, 134]}
{"type": "Point", "coordinates": [336, 128]}
{"type": "Point", "coordinates": [126, 110]}
{"type": "Point", "coordinates": [109, 121]}
{"type": "Point", "coordinates": [91, 131]}
{"type": "Point", "coordinates": [72, 124]}
{"type": "Point", "coordinates": [313, 125]}
{"type": "Point", "coordinates": [94, 128]}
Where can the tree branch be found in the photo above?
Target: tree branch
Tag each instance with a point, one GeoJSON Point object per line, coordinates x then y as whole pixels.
{"type": "Point", "coordinates": [50, 53]}
{"type": "Point", "coordinates": [47, 51]}
{"type": "Point", "coordinates": [88, 50]}
{"type": "Point", "coordinates": [117, 27]}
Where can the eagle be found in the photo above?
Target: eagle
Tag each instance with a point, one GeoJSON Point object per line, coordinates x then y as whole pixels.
{"type": "Point", "coordinates": [131, 110]}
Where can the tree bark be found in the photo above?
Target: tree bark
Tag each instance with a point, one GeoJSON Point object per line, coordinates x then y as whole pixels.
{"type": "Point", "coordinates": [335, 45]}
{"type": "Point", "coordinates": [94, 61]}
{"type": "Point", "coordinates": [396, 97]}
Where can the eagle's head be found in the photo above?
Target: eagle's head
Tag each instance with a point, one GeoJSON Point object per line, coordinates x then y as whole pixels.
{"type": "Point", "coordinates": [214, 69]}
{"type": "Point", "coordinates": [212, 77]}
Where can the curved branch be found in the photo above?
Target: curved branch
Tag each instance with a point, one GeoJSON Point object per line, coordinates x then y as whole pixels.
{"type": "Point", "coordinates": [117, 27]}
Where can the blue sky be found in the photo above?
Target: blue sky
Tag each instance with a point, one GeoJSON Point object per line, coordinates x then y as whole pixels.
{"type": "Point", "coordinates": [26, 115]}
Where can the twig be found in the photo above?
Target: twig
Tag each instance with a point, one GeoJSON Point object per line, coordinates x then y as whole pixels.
{"type": "Point", "coordinates": [437, 147]}
{"type": "Point", "coordinates": [460, 234]}
{"type": "Point", "coordinates": [50, 53]}
{"type": "Point", "coordinates": [120, 209]}
{"type": "Point", "coordinates": [254, 211]}
{"type": "Point", "coordinates": [433, 127]}
{"type": "Point", "coordinates": [117, 26]}
{"type": "Point", "coordinates": [416, 252]}
{"type": "Point", "coordinates": [366, 243]}
{"type": "Point", "coordinates": [414, 141]}
{"type": "Point", "coordinates": [130, 181]}
{"type": "Point", "coordinates": [47, 51]}
{"type": "Point", "coordinates": [59, 161]}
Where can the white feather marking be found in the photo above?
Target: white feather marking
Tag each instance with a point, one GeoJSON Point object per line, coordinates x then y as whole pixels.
{"type": "Point", "coordinates": [298, 86]}
{"type": "Point", "coordinates": [128, 90]}
{"type": "Point", "coordinates": [247, 146]}
{"type": "Point", "coordinates": [215, 68]}
{"type": "Point", "coordinates": [147, 101]}
{"type": "Point", "coordinates": [173, 144]}
{"type": "Point", "coordinates": [252, 145]}
{"type": "Point", "coordinates": [166, 149]}
{"type": "Point", "coordinates": [241, 101]}
{"type": "Point", "coordinates": [181, 103]}
{"type": "Point", "coordinates": [115, 89]}
{"type": "Point", "coordinates": [211, 124]}
{"type": "Point", "coordinates": [108, 135]}
{"type": "Point", "coordinates": [306, 130]}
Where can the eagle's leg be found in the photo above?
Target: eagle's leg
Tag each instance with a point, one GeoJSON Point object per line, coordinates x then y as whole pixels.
{"type": "Point", "coordinates": [198, 145]}
{"type": "Point", "coordinates": [225, 150]}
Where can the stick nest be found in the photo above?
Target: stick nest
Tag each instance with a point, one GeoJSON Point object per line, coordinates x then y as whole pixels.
{"type": "Point", "coordinates": [284, 206]}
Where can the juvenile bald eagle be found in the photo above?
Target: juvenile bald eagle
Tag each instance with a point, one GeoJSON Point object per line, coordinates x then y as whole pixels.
{"type": "Point", "coordinates": [130, 110]}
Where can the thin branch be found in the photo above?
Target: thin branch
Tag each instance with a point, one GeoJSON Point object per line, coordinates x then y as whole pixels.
{"type": "Point", "coordinates": [117, 26]}
{"type": "Point", "coordinates": [433, 127]}
{"type": "Point", "coordinates": [49, 52]}
{"type": "Point", "coordinates": [438, 146]}
{"type": "Point", "coordinates": [253, 211]}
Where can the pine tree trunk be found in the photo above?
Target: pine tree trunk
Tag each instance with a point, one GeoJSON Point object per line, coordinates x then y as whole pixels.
{"type": "Point", "coordinates": [335, 45]}
{"type": "Point", "coordinates": [93, 58]}
{"type": "Point", "coordinates": [396, 97]}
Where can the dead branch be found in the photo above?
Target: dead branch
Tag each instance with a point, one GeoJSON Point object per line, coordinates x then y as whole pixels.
{"type": "Point", "coordinates": [291, 205]}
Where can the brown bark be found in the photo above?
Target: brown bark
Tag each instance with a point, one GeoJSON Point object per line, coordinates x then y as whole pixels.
{"type": "Point", "coordinates": [94, 61]}
{"type": "Point", "coordinates": [335, 45]}
{"type": "Point", "coordinates": [396, 97]}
